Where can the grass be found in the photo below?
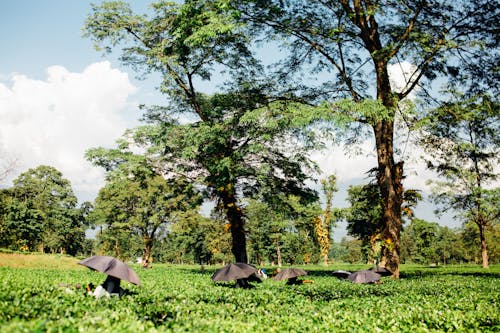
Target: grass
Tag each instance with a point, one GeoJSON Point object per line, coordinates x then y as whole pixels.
{"type": "Point", "coordinates": [38, 260]}
{"type": "Point", "coordinates": [183, 298]}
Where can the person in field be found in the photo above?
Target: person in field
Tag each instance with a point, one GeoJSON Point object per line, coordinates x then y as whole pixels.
{"type": "Point", "coordinates": [110, 287]}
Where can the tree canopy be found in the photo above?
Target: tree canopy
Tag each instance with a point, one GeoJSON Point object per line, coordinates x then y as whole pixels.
{"type": "Point", "coordinates": [41, 213]}
{"type": "Point", "coordinates": [354, 43]}
{"type": "Point", "coordinates": [239, 140]}
{"type": "Point", "coordinates": [462, 140]}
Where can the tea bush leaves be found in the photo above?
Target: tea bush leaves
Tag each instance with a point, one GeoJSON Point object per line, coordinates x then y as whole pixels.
{"type": "Point", "coordinates": [182, 298]}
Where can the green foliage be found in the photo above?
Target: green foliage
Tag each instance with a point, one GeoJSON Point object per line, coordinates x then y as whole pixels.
{"type": "Point", "coordinates": [462, 140]}
{"type": "Point", "coordinates": [349, 250]}
{"type": "Point", "coordinates": [364, 216]}
{"type": "Point", "coordinates": [196, 239]}
{"type": "Point", "coordinates": [284, 234]}
{"type": "Point", "coordinates": [183, 298]}
{"type": "Point", "coordinates": [235, 144]}
{"type": "Point", "coordinates": [40, 213]}
{"type": "Point", "coordinates": [136, 201]}
{"type": "Point", "coordinates": [340, 53]}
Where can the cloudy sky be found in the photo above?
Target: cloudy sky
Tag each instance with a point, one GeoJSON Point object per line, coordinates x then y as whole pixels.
{"type": "Point", "coordinates": [59, 97]}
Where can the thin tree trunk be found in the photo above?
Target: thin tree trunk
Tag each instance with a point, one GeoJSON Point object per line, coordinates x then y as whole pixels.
{"type": "Point", "coordinates": [147, 252]}
{"type": "Point", "coordinates": [278, 252]}
{"type": "Point", "coordinates": [484, 250]}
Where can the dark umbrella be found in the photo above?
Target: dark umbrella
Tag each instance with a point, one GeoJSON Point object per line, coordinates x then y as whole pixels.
{"type": "Point", "coordinates": [289, 273]}
{"type": "Point", "coordinates": [341, 274]}
{"type": "Point", "coordinates": [234, 271]}
{"type": "Point", "coordinates": [364, 277]}
{"type": "Point", "coordinates": [112, 267]}
{"type": "Point", "coordinates": [381, 270]}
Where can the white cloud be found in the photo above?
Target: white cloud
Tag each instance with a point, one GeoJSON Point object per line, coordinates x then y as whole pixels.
{"type": "Point", "coordinates": [346, 166]}
{"type": "Point", "coordinates": [401, 75]}
{"type": "Point", "coordinates": [54, 121]}
{"type": "Point", "coordinates": [350, 168]}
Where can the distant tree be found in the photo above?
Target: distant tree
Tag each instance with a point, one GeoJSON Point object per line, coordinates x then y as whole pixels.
{"type": "Point", "coordinates": [364, 217]}
{"type": "Point", "coordinates": [353, 250]}
{"type": "Point", "coordinates": [283, 233]}
{"type": "Point", "coordinates": [4, 234]}
{"type": "Point", "coordinates": [449, 246]}
{"type": "Point", "coordinates": [23, 225]}
{"type": "Point", "coordinates": [463, 147]}
{"type": "Point", "coordinates": [136, 200]}
{"type": "Point", "coordinates": [43, 212]}
{"type": "Point", "coordinates": [470, 237]}
{"type": "Point", "coordinates": [419, 239]}
{"type": "Point", "coordinates": [194, 235]}
{"type": "Point", "coordinates": [324, 223]}
{"type": "Point", "coordinates": [266, 231]}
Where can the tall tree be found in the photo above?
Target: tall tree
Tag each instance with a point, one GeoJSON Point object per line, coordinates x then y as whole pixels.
{"type": "Point", "coordinates": [137, 200]}
{"type": "Point", "coordinates": [420, 240]}
{"type": "Point", "coordinates": [355, 42]}
{"type": "Point", "coordinates": [43, 211]}
{"type": "Point", "coordinates": [365, 219]}
{"type": "Point", "coordinates": [464, 149]}
{"type": "Point", "coordinates": [192, 238]}
{"type": "Point", "coordinates": [233, 142]}
{"type": "Point", "coordinates": [323, 224]}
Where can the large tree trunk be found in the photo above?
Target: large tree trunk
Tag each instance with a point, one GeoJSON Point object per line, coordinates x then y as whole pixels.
{"type": "Point", "coordinates": [389, 179]}
{"type": "Point", "coordinates": [390, 174]}
{"type": "Point", "coordinates": [235, 218]}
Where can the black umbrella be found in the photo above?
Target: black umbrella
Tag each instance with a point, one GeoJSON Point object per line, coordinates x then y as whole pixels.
{"type": "Point", "coordinates": [289, 273]}
{"type": "Point", "coordinates": [112, 267]}
{"type": "Point", "coordinates": [365, 276]}
{"type": "Point", "coordinates": [341, 274]}
{"type": "Point", "coordinates": [381, 270]}
{"type": "Point", "coordinates": [234, 271]}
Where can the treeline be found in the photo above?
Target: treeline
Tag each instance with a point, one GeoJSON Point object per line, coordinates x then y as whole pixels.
{"type": "Point", "coordinates": [144, 216]}
{"type": "Point", "coordinates": [427, 243]}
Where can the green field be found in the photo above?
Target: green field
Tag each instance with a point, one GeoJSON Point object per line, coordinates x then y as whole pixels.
{"type": "Point", "coordinates": [184, 299]}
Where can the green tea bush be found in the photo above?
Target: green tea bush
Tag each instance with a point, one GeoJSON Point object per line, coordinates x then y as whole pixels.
{"type": "Point", "coordinates": [182, 298]}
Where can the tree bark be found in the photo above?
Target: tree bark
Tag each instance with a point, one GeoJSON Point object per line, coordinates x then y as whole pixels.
{"type": "Point", "coordinates": [147, 252]}
{"type": "Point", "coordinates": [235, 218]}
{"type": "Point", "coordinates": [389, 179]}
{"type": "Point", "coordinates": [278, 252]}
{"type": "Point", "coordinates": [484, 250]}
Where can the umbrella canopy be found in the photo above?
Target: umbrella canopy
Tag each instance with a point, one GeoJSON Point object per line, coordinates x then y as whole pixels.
{"type": "Point", "coordinates": [113, 267]}
{"type": "Point", "coordinates": [381, 270]}
{"type": "Point", "coordinates": [289, 273]}
{"type": "Point", "coordinates": [364, 277]}
{"type": "Point", "coordinates": [234, 271]}
{"type": "Point", "coordinates": [341, 274]}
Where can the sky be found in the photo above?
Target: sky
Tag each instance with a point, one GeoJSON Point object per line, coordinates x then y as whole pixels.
{"type": "Point", "coordinates": [60, 97]}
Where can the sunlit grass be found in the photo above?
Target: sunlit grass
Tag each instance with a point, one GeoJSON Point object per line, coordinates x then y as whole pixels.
{"type": "Point", "coordinates": [38, 260]}
{"type": "Point", "coordinates": [177, 298]}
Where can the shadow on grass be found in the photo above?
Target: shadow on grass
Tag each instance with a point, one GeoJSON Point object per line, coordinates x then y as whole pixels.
{"type": "Point", "coordinates": [437, 272]}
{"type": "Point", "coordinates": [405, 274]}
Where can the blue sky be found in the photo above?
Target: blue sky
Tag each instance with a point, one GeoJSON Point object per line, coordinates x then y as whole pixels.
{"type": "Point", "coordinates": [59, 97]}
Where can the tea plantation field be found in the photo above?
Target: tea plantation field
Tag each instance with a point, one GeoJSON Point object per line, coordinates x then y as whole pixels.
{"type": "Point", "coordinates": [184, 299]}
